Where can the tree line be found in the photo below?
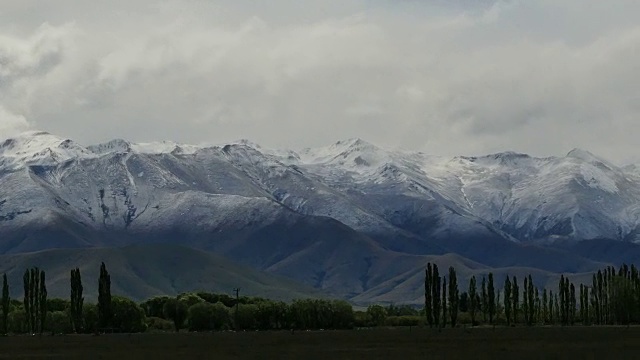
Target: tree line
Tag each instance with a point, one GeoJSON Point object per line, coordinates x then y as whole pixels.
{"type": "Point", "coordinates": [612, 298]}
{"type": "Point", "coordinates": [202, 311]}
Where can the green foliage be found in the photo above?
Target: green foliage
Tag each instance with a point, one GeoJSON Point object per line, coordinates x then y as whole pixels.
{"type": "Point", "coordinates": [225, 299]}
{"type": "Point", "coordinates": [156, 324]}
{"type": "Point", "coordinates": [175, 310]}
{"type": "Point", "coordinates": [128, 317]}
{"type": "Point", "coordinates": [321, 314]}
{"type": "Point", "coordinates": [154, 307]}
{"type": "Point", "coordinates": [206, 317]}
{"type": "Point", "coordinates": [57, 304]}
{"type": "Point", "coordinates": [377, 314]}
{"type": "Point", "coordinates": [464, 302]}
{"type": "Point", "coordinates": [190, 299]}
{"type": "Point", "coordinates": [59, 322]}
{"type": "Point", "coordinates": [361, 319]}
{"type": "Point", "coordinates": [402, 310]}
{"type": "Point", "coordinates": [272, 315]}
{"type": "Point", "coordinates": [247, 318]}
{"type": "Point", "coordinates": [18, 322]}
{"type": "Point", "coordinates": [91, 317]}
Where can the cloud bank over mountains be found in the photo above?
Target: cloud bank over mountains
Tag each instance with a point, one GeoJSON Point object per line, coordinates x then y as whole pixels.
{"type": "Point", "coordinates": [443, 77]}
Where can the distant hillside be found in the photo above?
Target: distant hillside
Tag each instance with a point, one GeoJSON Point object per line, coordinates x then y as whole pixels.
{"type": "Point", "coordinates": [141, 272]}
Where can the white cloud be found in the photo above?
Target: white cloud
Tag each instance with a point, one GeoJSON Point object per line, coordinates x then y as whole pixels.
{"type": "Point", "coordinates": [11, 124]}
{"type": "Point", "coordinates": [445, 77]}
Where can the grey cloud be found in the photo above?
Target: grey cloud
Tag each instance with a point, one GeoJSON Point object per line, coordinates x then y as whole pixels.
{"type": "Point", "coordinates": [443, 77]}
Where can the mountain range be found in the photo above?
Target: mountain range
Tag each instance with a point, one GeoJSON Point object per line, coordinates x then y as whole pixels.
{"type": "Point", "coordinates": [351, 219]}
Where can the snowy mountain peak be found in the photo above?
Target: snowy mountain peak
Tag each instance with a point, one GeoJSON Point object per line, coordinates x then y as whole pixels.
{"type": "Point", "coordinates": [116, 146]}
{"type": "Point", "coordinates": [349, 153]}
{"type": "Point", "coordinates": [507, 158]}
{"type": "Point", "coordinates": [581, 154]}
{"type": "Point", "coordinates": [38, 148]}
{"type": "Point", "coordinates": [165, 147]}
{"type": "Point", "coordinates": [587, 157]}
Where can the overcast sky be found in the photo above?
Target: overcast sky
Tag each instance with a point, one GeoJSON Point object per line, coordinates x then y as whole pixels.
{"type": "Point", "coordinates": [441, 76]}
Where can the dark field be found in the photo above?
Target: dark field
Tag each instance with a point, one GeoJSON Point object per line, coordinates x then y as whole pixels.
{"type": "Point", "coordinates": [485, 343]}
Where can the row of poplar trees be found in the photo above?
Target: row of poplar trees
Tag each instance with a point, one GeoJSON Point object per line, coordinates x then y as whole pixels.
{"type": "Point", "coordinates": [35, 300]}
{"type": "Point", "coordinates": [612, 299]}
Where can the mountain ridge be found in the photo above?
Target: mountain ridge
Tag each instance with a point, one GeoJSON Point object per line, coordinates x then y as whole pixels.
{"type": "Point", "coordinates": [333, 218]}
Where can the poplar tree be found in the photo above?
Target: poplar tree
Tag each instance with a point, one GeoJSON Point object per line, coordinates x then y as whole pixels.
{"type": "Point", "coordinates": [428, 291]}
{"type": "Point", "coordinates": [484, 300]}
{"type": "Point", "coordinates": [444, 302]}
{"type": "Point", "coordinates": [587, 315]}
{"type": "Point", "coordinates": [436, 296]}
{"type": "Point", "coordinates": [35, 299]}
{"type": "Point", "coordinates": [563, 301]}
{"type": "Point", "coordinates": [5, 304]}
{"type": "Point", "coordinates": [538, 313]}
{"type": "Point", "coordinates": [556, 306]}
{"type": "Point", "coordinates": [572, 304]}
{"type": "Point", "coordinates": [545, 309]}
{"type": "Point", "coordinates": [77, 301]}
{"type": "Point", "coordinates": [516, 299]}
{"type": "Point", "coordinates": [454, 296]}
{"type": "Point", "coordinates": [26, 280]}
{"type": "Point", "coordinates": [104, 297]}
{"type": "Point", "coordinates": [532, 301]}
{"type": "Point", "coordinates": [507, 300]}
{"type": "Point", "coordinates": [491, 298]}
{"type": "Point", "coordinates": [473, 299]}
{"type": "Point", "coordinates": [42, 302]}
{"type": "Point", "coordinates": [525, 301]}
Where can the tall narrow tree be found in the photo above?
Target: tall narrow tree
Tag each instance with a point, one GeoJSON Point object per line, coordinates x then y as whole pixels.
{"type": "Point", "coordinates": [26, 280]}
{"type": "Point", "coordinates": [473, 299]}
{"type": "Point", "coordinates": [484, 300]}
{"type": "Point", "coordinates": [428, 291]}
{"type": "Point", "coordinates": [444, 302]}
{"type": "Point", "coordinates": [77, 301]}
{"type": "Point", "coordinates": [563, 301]}
{"type": "Point", "coordinates": [454, 296]}
{"type": "Point", "coordinates": [545, 308]}
{"type": "Point", "coordinates": [587, 315]}
{"type": "Point", "coordinates": [507, 300]}
{"type": "Point", "coordinates": [104, 297]}
{"type": "Point", "coordinates": [35, 299]}
{"type": "Point", "coordinates": [532, 301]}
{"type": "Point", "coordinates": [525, 301]}
{"type": "Point", "coordinates": [436, 308]}
{"type": "Point", "coordinates": [5, 304]}
{"type": "Point", "coordinates": [491, 298]}
{"type": "Point", "coordinates": [42, 302]}
{"type": "Point", "coordinates": [515, 297]}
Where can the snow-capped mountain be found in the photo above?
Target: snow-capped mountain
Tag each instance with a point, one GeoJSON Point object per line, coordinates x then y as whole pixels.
{"type": "Point", "coordinates": [344, 218]}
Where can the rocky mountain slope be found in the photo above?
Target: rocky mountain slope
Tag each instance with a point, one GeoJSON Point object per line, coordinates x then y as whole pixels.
{"type": "Point", "coordinates": [348, 218]}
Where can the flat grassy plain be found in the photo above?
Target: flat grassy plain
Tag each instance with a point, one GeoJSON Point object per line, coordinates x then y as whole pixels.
{"type": "Point", "coordinates": [478, 343]}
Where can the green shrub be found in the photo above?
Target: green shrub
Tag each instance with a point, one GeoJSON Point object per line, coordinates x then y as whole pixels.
{"type": "Point", "coordinates": [156, 324]}
{"type": "Point", "coordinates": [128, 317]}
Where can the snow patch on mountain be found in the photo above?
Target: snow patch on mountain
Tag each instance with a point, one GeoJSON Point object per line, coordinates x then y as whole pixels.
{"type": "Point", "coordinates": [576, 196]}
{"type": "Point", "coordinates": [38, 148]}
